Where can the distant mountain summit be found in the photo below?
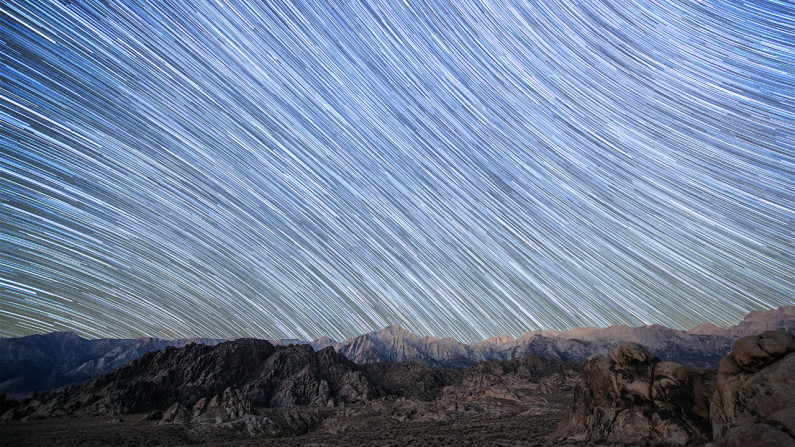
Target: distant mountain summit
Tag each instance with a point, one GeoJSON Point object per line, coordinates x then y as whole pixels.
{"type": "Point", "coordinates": [44, 362]}
{"type": "Point", "coordinates": [781, 319]}
{"type": "Point", "coordinates": [395, 344]}
{"type": "Point", "coordinates": [758, 321]}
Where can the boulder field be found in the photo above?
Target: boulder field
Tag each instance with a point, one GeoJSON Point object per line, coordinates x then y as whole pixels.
{"type": "Point", "coordinates": [632, 398]}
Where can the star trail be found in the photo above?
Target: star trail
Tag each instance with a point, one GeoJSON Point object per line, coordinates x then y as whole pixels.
{"type": "Point", "coordinates": [275, 169]}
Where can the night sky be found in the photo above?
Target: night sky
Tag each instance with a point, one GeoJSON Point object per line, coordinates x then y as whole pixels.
{"type": "Point", "coordinates": [182, 168]}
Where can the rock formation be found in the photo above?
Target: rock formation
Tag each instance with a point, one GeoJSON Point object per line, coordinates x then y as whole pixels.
{"type": "Point", "coordinates": [531, 375]}
{"type": "Point", "coordinates": [633, 398]}
{"type": "Point", "coordinates": [408, 380]}
{"type": "Point", "coordinates": [630, 397]}
{"type": "Point", "coordinates": [754, 399]}
{"type": "Point", "coordinates": [493, 387]}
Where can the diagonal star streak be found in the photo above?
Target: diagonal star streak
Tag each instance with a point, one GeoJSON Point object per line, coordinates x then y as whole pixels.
{"type": "Point", "coordinates": [289, 170]}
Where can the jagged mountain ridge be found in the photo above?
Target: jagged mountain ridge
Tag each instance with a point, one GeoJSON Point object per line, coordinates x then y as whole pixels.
{"type": "Point", "coordinates": [693, 348]}
{"type": "Point", "coordinates": [43, 362]}
{"type": "Point", "coordinates": [256, 374]}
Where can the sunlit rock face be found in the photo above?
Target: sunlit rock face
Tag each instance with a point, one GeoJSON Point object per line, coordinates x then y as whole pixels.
{"type": "Point", "coordinates": [630, 397]}
{"type": "Point", "coordinates": [754, 399]}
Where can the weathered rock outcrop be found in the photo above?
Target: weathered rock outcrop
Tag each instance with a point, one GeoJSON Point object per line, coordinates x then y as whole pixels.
{"type": "Point", "coordinates": [492, 387]}
{"type": "Point", "coordinates": [408, 380]}
{"type": "Point", "coordinates": [632, 398]}
{"type": "Point", "coordinates": [754, 399]}
{"type": "Point", "coordinates": [515, 378]}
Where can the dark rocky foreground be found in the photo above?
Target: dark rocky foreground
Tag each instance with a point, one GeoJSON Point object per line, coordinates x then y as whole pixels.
{"type": "Point", "coordinates": [632, 398]}
{"type": "Point", "coordinates": [249, 392]}
{"type": "Point", "coordinates": [354, 425]}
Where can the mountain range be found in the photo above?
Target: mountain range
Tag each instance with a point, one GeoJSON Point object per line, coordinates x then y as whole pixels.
{"type": "Point", "coordinates": [50, 361]}
{"type": "Point", "coordinates": [703, 346]}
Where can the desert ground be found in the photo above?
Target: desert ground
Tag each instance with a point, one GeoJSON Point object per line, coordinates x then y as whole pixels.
{"type": "Point", "coordinates": [375, 424]}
